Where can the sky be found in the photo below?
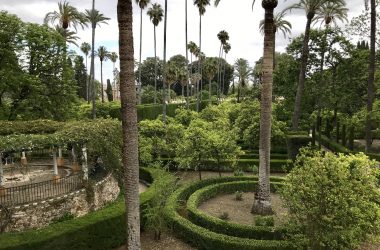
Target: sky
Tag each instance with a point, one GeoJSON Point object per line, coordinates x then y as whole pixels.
{"type": "Point", "coordinates": [240, 21]}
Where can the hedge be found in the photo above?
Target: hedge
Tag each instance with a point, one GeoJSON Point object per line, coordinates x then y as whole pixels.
{"type": "Point", "coordinates": [296, 141]}
{"type": "Point", "coordinates": [103, 229]}
{"type": "Point", "coordinates": [332, 145]}
{"type": "Point", "coordinates": [29, 127]}
{"type": "Point", "coordinates": [203, 238]}
{"type": "Point", "coordinates": [224, 227]}
{"type": "Point", "coordinates": [277, 156]}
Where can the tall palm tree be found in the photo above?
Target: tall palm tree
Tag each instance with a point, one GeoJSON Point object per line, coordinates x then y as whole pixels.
{"type": "Point", "coordinates": [210, 69]}
{"type": "Point", "coordinates": [280, 24]}
{"type": "Point", "coordinates": [164, 82]}
{"type": "Point", "coordinates": [310, 7]}
{"type": "Point", "coordinates": [68, 35]}
{"type": "Point", "coordinates": [192, 47]}
{"type": "Point", "coordinates": [95, 18]}
{"type": "Point", "coordinates": [113, 57]}
{"type": "Point", "coordinates": [243, 71]}
{"type": "Point", "coordinates": [223, 37]}
{"type": "Point", "coordinates": [129, 123]}
{"type": "Point", "coordinates": [142, 4]}
{"type": "Point", "coordinates": [201, 5]}
{"type": "Point", "coordinates": [226, 50]}
{"type": "Point", "coordinates": [103, 55]}
{"type": "Point", "coordinates": [371, 75]}
{"type": "Point", "coordinates": [187, 59]}
{"type": "Point", "coordinates": [67, 16]}
{"type": "Point", "coordinates": [85, 48]}
{"type": "Point", "coordinates": [155, 14]}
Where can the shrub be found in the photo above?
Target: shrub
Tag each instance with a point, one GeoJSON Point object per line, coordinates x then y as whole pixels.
{"type": "Point", "coordinates": [29, 127]}
{"type": "Point", "coordinates": [239, 195]}
{"type": "Point", "coordinates": [296, 141]}
{"type": "Point", "coordinates": [224, 216]}
{"type": "Point", "coordinates": [333, 200]}
{"type": "Point", "coordinates": [264, 221]}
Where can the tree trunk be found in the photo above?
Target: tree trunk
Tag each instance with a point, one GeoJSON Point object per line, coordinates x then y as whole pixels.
{"type": "Point", "coordinates": [262, 204]}
{"type": "Point", "coordinates": [224, 73]}
{"type": "Point", "coordinates": [92, 70]}
{"type": "Point", "coordinates": [87, 87]}
{"type": "Point", "coordinates": [199, 60]}
{"type": "Point", "coordinates": [101, 79]}
{"type": "Point", "coordinates": [139, 86]}
{"type": "Point", "coordinates": [239, 87]}
{"type": "Point", "coordinates": [344, 135]}
{"type": "Point", "coordinates": [302, 75]}
{"type": "Point", "coordinates": [209, 90]}
{"type": "Point", "coordinates": [155, 66]}
{"type": "Point", "coordinates": [187, 60]}
{"type": "Point", "coordinates": [164, 66]}
{"type": "Point", "coordinates": [371, 78]}
{"type": "Point", "coordinates": [129, 123]}
{"type": "Point", "coordinates": [219, 70]}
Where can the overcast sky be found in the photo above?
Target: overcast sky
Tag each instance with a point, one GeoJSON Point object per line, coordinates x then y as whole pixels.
{"type": "Point", "coordinates": [240, 21]}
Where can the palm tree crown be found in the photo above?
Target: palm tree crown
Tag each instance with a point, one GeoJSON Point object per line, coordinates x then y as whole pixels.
{"type": "Point", "coordinates": [201, 4]}
{"type": "Point", "coordinates": [95, 17]}
{"type": "Point", "coordinates": [66, 16]}
{"type": "Point", "coordinates": [311, 7]}
{"type": "Point", "coordinates": [102, 53]}
{"type": "Point", "coordinates": [69, 36]}
{"type": "Point", "coordinates": [223, 36]}
{"type": "Point", "coordinates": [142, 3]}
{"type": "Point", "coordinates": [226, 47]}
{"type": "Point", "coordinates": [331, 12]}
{"type": "Point", "coordinates": [113, 57]}
{"type": "Point", "coordinates": [279, 24]}
{"type": "Point", "coordinates": [85, 48]}
{"type": "Point", "coordinates": [156, 13]}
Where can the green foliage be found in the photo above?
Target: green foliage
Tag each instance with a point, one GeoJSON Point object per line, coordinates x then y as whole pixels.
{"type": "Point", "coordinates": [80, 75]}
{"type": "Point", "coordinates": [264, 221]}
{"type": "Point", "coordinates": [333, 200]}
{"type": "Point", "coordinates": [29, 127]}
{"type": "Point", "coordinates": [109, 91]}
{"type": "Point", "coordinates": [296, 141]}
{"type": "Point", "coordinates": [239, 195]}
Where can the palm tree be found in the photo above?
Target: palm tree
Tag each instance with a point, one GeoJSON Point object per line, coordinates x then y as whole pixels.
{"type": "Point", "coordinates": [210, 69]}
{"type": "Point", "coordinates": [129, 123]}
{"type": "Point", "coordinates": [113, 57]}
{"type": "Point", "coordinates": [280, 24]}
{"type": "Point", "coordinates": [201, 4]}
{"type": "Point", "coordinates": [226, 49]}
{"type": "Point", "coordinates": [142, 4]}
{"type": "Point", "coordinates": [223, 37]}
{"type": "Point", "coordinates": [164, 63]}
{"type": "Point", "coordinates": [155, 13]}
{"type": "Point", "coordinates": [310, 7]}
{"type": "Point", "coordinates": [103, 55]}
{"type": "Point", "coordinates": [187, 59]}
{"type": "Point", "coordinates": [66, 16]}
{"type": "Point", "coordinates": [243, 70]}
{"type": "Point", "coordinates": [69, 36]}
{"type": "Point", "coordinates": [85, 48]}
{"type": "Point", "coordinates": [371, 75]}
{"type": "Point", "coordinates": [95, 18]}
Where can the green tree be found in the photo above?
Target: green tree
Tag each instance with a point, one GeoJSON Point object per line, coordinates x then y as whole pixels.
{"type": "Point", "coordinates": [226, 49]}
{"type": "Point", "coordinates": [148, 76]}
{"type": "Point", "coordinates": [243, 71]}
{"type": "Point", "coordinates": [95, 18]}
{"type": "Point", "coordinates": [333, 200]}
{"type": "Point", "coordinates": [103, 55]}
{"type": "Point", "coordinates": [223, 37]}
{"type": "Point", "coordinates": [210, 69]}
{"type": "Point", "coordinates": [155, 14]}
{"type": "Point", "coordinates": [109, 91]}
{"type": "Point", "coordinates": [86, 48]}
{"type": "Point", "coordinates": [129, 123]}
{"type": "Point", "coordinates": [80, 76]}
{"type": "Point", "coordinates": [142, 5]}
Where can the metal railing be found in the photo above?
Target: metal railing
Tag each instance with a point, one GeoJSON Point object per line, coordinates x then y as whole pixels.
{"type": "Point", "coordinates": [34, 192]}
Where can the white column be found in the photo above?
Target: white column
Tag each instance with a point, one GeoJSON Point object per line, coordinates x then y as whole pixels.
{"type": "Point", "coordinates": [84, 163]}
{"type": "Point", "coordinates": [73, 155]}
{"type": "Point", "coordinates": [23, 154]}
{"type": "Point", "coordinates": [60, 152]}
{"type": "Point", "coordinates": [55, 165]}
{"type": "Point", "coordinates": [1, 170]}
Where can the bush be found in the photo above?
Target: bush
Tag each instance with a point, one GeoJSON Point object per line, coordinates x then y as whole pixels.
{"type": "Point", "coordinates": [206, 239]}
{"type": "Point", "coordinates": [264, 221]}
{"type": "Point", "coordinates": [333, 200]}
{"type": "Point", "coordinates": [229, 228]}
{"type": "Point", "coordinates": [333, 146]}
{"type": "Point", "coordinates": [296, 141]}
{"type": "Point", "coordinates": [29, 127]}
{"type": "Point", "coordinates": [239, 195]}
{"type": "Point", "coordinates": [103, 229]}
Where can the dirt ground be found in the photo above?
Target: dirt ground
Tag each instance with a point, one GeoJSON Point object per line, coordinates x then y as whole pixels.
{"type": "Point", "coordinates": [240, 211]}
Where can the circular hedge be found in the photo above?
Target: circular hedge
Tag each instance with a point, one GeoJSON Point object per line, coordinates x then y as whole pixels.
{"type": "Point", "coordinates": [229, 228]}
{"type": "Point", "coordinates": [204, 238]}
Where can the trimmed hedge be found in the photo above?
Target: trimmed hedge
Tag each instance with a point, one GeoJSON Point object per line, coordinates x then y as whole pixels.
{"type": "Point", "coordinates": [296, 141]}
{"type": "Point", "coordinates": [277, 156]}
{"type": "Point", "coordinates": [224, 227]}
{"type": "Point", "coordinates": [29, 127]}
{"type": "Point", "coordinates": [332, 145]}
{"type": "Point", "coordinates": [103, 229]}
{"type": "Point", "coordinates": [203, 238]}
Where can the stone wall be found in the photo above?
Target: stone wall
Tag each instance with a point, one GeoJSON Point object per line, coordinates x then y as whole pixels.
{"type": "Point", "coordinates": [37, 215]}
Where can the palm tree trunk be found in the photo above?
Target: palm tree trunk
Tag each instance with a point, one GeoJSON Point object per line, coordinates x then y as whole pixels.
{"type": "Point", "coordinates": [87, 87]}
{"type": "Point", "coordinates": [302, 75]}
{"type": "Point", "coordinates": [219, 66]}
{"type": "Point", "coordinates": [262, 203]}
{"type": "Point", "coordinates": [187, 60]}
{"type": "Point", "coordinates": [209, 90]}
{"type": "Point", "coordinates": [164, 66]}
{"type": "Point", "coordinates": [155, 66]}
{"type": "Point", "coordinates": [239, 87]}
{"type": "Point", "coordinates": [371, 78]}
{"type": "Point", "coordinates": [139, 86]}
{"type": "Point", "coordinates": [92, 70]}
{"type": "Point", "coordinates": [224, 73]}
{"type": "Point", "coordinates": [199, 60]}
{"type": "Point", "coordinates": [101, 79]}
{"type": "Point", "coordinates": [129, 123]}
